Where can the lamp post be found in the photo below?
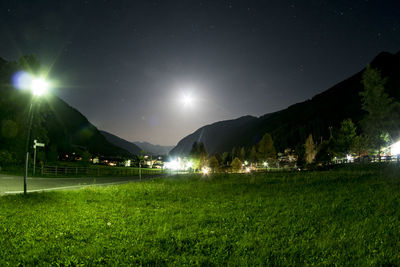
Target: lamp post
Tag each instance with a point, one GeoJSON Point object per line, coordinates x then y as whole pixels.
{"type": "Point", "coordinates": [38, 86]}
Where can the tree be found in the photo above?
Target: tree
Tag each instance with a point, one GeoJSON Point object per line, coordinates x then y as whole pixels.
{"type": "Point", "coordinates": [213, 163]}
{"type": "Point", "coordinates": [225, 158]}
{"type": "Point", "coordinates": [253, 155]}
{"type": "Point", "coordinates": [242, 154]}
{"type": "Point", "coordinates": [301, 155]}
{"type": "Point", "coordinates": [198, 154]}
{"type": "Point", "coordinates": [345, 138]}
{"type": "Point", "coordinates": [236, 165]}
{"type": "Point", "coordinates": [360, 145]}
{"type": "Point", "coordinates": [233, 153]}
{"type": "Point", "coordinates": [6, 157]}
{"type": "Point", "coordinates": [324, 153]}
{"type": "Point", "coordinates": [265, 148]}
{"type": "Point", "coordinates": [310, 149]}
{"type": "Point", "coordinates": [86, 157]}
{"type": "Point", "coordinates": [380, 108]}
{"type": "Point", "coordinates": [219, 158]}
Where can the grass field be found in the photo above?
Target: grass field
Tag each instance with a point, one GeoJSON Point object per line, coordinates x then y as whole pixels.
{"type": "Point", "coordinates": [12, 184]}
{"type": "Point", "coordinates": [342, 217]}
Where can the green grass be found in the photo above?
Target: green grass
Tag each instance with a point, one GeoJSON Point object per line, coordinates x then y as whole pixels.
{"type": "Point", "coordinates": [342, 217]}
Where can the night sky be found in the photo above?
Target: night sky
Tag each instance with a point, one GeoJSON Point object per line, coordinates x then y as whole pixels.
{"type": "Point", "coordinates": [126, 65]}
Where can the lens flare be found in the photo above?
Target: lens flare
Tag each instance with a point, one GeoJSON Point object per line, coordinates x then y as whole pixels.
{"type": "Point", "coordinates": [22, 80]}
{"type": "Point", "coordinates": [26, 81]}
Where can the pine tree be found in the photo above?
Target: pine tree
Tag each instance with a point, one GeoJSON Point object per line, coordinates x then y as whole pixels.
{"type": "Point", "coordinates": [345, 138]}
{"type": "Point", "coordinates": [265, 148]}
{"type": "Point", "coordinates": [381, 109]}
{"type": "Point", "coordinates": [310, 149]}
{"type": "Point", "coordinates": [198, 154]}
{"type": "Point", "coordinates": [242, 154]}
{"type": "Point", "coordinates": [253, 155]}
{"type": "Point", "coordinates": [213, 163]}
{"type": "Point", "coordinates": [236, 165]}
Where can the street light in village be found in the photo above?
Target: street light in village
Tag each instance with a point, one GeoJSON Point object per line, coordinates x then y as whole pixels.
{"type": "Point", "coordinates": [38, 86]}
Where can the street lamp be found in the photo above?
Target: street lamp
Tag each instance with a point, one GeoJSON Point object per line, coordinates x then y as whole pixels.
{"type": "Point", "coordinates": [38, 87]}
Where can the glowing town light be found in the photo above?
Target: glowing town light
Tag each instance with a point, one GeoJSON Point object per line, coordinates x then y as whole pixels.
{"type": "Point", "coordinates": [265, 164]}
{"type": "Point", "coordinates": [205, 171]}
{"type": "Point", "coordinates": [179, 164]}
{"type": "Point", "coordinates": [349, 158]}
{"type": "Point", "coordinates": [189, 164]}
{"type": "Point", "coordinates": [246, 162]}
{"type": "Point", "coordinates": [172, 165]}
{"type": "Point", "coordinates": [248, 170]}
{"type": "Point", "coordinates": [39, 86]}
{"type": "Point", "coordinates": [395, 149]}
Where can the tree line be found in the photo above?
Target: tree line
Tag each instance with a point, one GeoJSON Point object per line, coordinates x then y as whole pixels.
{"type": "Point", "coordinates": [377, 129]}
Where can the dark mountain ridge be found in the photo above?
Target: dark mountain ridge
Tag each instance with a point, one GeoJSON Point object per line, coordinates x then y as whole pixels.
{"type": "Point", "coordinates": [154, 149]}
{"type": "Point", "coordinates": [61, 127]}
{"type": "Point", "coordinates": [291, 126]}
{"type": "Point", "coordinates": [122, 143]}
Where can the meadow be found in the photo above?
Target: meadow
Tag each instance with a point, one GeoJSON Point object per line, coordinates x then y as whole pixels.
{"type": "Point", "coordinates": [346, 216]}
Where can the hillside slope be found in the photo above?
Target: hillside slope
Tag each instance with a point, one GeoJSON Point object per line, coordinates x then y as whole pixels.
{"type": "Point", "coordinates": [154, 149]}
{"type": "Point", "coordinates": [122, 143]}
{"type": "Point", "coordinates": [61, 127]}
{"type": "Point", "coordinates": [292, 125]}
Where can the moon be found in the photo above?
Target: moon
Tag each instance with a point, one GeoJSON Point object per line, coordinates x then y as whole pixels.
{"type": "Point", "coordinates": [187, 100]}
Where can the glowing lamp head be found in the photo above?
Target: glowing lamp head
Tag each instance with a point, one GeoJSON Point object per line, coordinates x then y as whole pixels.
{"type": "Point", "coordinates": [349, 157]}
{"type": "Point", "coordinates": [39, 86]}
{"type": "Point", "coordinates": [205, 171]}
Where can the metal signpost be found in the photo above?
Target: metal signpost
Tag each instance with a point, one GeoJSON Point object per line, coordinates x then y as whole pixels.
{"type": "Point", "coordinates": [35, 144]}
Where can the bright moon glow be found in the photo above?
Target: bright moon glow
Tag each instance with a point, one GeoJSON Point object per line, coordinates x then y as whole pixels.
{"type": "Point", "coordinates": [187, 100]}
{"type": "Point", "coordinates": [39, 86]}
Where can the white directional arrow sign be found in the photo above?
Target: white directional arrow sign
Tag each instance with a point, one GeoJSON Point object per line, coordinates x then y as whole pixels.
{"type": "Point", "coordinates": [36, 144]}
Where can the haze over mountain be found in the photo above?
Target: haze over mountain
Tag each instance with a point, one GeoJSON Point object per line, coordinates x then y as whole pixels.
{"type": "Point", "coordinates": [136, 147]}
{"type": "Point", "coordinates": [122, 143]}
{"type": "Point", "coordinates": [291, 126]}
{"type": "Point", "coordinates": [154, 149]}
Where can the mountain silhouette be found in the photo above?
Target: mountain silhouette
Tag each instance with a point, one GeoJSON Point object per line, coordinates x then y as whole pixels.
{"type": "Point", "coordinates": [154, 149]}
{"type": "Point", "coordinates": [62, 128]}
{"type": "Point", "coordinates": [291, 126]}
{"type": "Point", "coordinates": [122, 143]}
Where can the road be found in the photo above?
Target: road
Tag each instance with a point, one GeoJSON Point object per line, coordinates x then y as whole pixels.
{"type": "Point", "coordinates": [11, 184]}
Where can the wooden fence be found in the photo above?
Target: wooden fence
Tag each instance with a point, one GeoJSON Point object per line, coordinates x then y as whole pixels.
{"type": "Point", "coordinates": [370, 159]}
{"type": "Point", "coordinates": [94, 171]}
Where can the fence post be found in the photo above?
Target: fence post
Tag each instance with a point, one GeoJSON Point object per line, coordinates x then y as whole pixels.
{"type": "Point", "coordinates": [56, 170]}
